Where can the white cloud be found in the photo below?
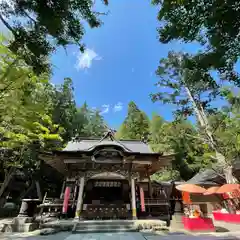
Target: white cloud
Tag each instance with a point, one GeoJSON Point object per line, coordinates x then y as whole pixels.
{"type": "Point", "coordinates": [84, 60]}
{"type": "Point", "coordinates": [105, 108]}
{"type": "Point", "coordinates": [118, 107]}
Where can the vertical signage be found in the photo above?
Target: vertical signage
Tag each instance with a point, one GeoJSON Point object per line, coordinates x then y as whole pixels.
{"type": "Point", "coordinates": [142, 199]}
{"type": "Point", "coordinates": [66, 199]}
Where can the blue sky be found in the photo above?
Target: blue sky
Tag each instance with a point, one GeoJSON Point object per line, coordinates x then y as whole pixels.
{"type": "Point", "coordinates": [120, 61]}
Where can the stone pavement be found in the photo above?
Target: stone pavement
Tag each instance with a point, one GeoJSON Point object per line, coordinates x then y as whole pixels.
{"type": "Point", "coordinates": [228, 227]}
{"type": "Point", "coordinates": [112, 236]}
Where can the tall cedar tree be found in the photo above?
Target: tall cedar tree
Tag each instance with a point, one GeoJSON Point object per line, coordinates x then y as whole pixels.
{"type": "Point", "coordinates": [135, 125]}
{"type": "Point", "coordinates": [64, 107]}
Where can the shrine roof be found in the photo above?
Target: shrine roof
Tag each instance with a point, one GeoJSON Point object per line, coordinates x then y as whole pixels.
{"type": "Point", "coordinates": [81, 151]}
{"type": "Point", "coordinates": [86, 145]}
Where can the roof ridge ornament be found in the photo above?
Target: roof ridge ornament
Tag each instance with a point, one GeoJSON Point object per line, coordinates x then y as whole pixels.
{"type": "Point", "coordinates": [110, 134]}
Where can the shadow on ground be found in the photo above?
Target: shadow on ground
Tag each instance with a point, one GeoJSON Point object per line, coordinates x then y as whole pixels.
{"type": "Point", "coordinates": [17, 236]}
{"type": "Point", "coordinates": [221, 229]}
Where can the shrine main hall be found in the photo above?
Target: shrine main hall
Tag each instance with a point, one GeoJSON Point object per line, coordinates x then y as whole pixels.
{"type": "Point", "coordinates": [110, 179]}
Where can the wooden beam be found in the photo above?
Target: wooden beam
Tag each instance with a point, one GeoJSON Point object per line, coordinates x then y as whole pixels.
{"type": "Point", "coordinates": [142, 162]}
{"type": "Point", "coordinates": [72, 160]}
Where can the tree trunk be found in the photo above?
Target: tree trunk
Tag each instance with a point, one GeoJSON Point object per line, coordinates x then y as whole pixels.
{"type": "Point", "coordinates": [5, 184]}
{"type": "Point", "coordinates": [202, 118]}
{"type": "Point", "coordinates": [229, 175]}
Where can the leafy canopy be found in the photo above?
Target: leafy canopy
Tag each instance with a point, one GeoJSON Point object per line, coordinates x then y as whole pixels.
{"type": "Point", "coordinates": [214, 24]}
{"type": "Point", "coordinates": [39, 27]}
{"type": "Point", "coordinates": [175, 77]}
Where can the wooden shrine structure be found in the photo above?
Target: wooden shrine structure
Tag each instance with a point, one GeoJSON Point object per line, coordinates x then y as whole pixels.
{"type": "Point", "coordinates": [110, 179]}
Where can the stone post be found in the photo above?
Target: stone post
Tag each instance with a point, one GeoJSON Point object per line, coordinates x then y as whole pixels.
{"type": "Point", "coordinates": [80, 199]}
{"type": "Point", "coordinates": [62, 190]}
{"type": "Point", "coordinates": [133, 191]}
{"type": "Point", "coordinates": [23, 212]}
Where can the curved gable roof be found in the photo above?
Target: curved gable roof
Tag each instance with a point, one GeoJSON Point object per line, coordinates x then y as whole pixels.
{"type": "Point", "coordinates": [90, 144]}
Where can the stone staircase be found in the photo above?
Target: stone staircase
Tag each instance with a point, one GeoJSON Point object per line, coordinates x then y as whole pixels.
{"type": "Point", "coordinates": [104, 226]}
{"type": "Point", "coordinates": [176, 222]}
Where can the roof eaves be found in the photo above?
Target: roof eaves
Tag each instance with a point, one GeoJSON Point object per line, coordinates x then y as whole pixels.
{"type": "Point", "coordinates": [88, 151]}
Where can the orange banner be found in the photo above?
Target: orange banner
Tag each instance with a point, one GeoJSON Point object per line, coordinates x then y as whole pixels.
{"type": "Point", "coordinates": [186, 198]}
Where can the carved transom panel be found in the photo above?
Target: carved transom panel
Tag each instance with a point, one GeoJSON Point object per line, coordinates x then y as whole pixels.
{"type": "Point", "coordinates": [124, 173]}
{"type": "Point", "coordinates": [107, 155]}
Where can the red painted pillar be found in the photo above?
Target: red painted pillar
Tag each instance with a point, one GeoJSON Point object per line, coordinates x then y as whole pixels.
{"type": "Point", "coordinates": [66, 199]}
{"type": "Point", "coordinates": [142, 199]}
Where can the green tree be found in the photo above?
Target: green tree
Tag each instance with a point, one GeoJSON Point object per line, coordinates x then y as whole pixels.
{"type": "Point", "coordinates": [95, 126]}
{"type": "Point", "coordinates": [192, 96]}
{"type": "Point", "coordinates": [176, 81]}
{"type": "Point", "coordinates": [135, 125]}
{"type": "Point", "coordinates": [214, 24]}
{"type": "Point", "coordinates": [64, 108]}
{"type": "Point", "coordinates": [157, 134]}
{"type": "Point", "coordinates": [179, 137]}
{"type": "Point", "coordinates": [81, 119]}
{"type": "Point", "coordinates": [26, 126]}
{"type": "Point", "coordinates": [39, 27]}
{"type": "Point", "coordinates": [122, 132]}
{"type": "Point", "coordinates": [225, 124]}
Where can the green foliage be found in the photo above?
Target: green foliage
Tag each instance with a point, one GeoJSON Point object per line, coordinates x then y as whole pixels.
{"type": "Point", "coordinates": [135, 125]}
{"type": "Point", "coordinates": [175, 76]}
{"type": "Point", "coordinates": [214, 24]}
{"type": "Point", "coordinates": [88, 123]}
{"type": "Point", "coordinates": [166, 175]}
{"type": "Point", "coordinates": [192, 91]}
{"type": "Point", "coordinates": [64, 108]}
{"type": "Point", "coordinates": [95, 126]}
{"type": "Point", "coordinates": [181, 138]}
{"type": "Point", "coordinates": [25, 108]}
{"type": "Point", "coordinates": [36, 116]}
{"type": "Point", "coordinates": [158, 130]}
{"type": "Point", "coordinates": [225, 124]}
{"type": "Point", "coordinates": [39, 27]}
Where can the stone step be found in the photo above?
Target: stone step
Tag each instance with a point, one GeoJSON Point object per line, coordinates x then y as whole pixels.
{"type": "Point", "coordinates": [102, 226]}
{"type": "Point", "coordinates": [26, 227]}
{"type": "Point", "coordinates": [101, 221]}
{"type": "Point", "coordinates": [106, 225]}
{"type": "Point", "coordinates": [104, 230]}
{"type": "Point", "coordinates": [106, 222]}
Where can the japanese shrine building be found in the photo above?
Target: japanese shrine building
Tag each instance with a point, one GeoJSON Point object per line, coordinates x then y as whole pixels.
{"type": "Point", "coordinates": [106, 178]}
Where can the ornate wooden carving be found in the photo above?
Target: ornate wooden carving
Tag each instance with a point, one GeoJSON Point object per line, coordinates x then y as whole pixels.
{"type": "Point", "coordinates": [89, 174]}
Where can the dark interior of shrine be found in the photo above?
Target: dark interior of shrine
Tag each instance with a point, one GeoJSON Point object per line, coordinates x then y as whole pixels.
{"type": "Point", "coordinates": [99, 191]}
